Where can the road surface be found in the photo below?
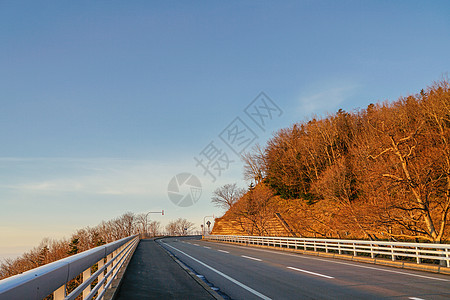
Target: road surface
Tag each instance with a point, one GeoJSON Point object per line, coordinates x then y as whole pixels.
{"type": "Point", "coordinates": [252, 273]}
{"type": "Point", "coordinates": [152, 274]}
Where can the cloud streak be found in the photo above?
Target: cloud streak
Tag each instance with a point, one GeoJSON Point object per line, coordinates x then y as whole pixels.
{"type": "Point", "coordinates": [93, 176]}
{"type": "Point", "coordinates": [327, 99]}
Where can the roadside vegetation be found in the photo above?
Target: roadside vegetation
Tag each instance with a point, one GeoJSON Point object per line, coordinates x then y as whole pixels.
{"type": "Point", "coordinates": [50, 250]}
{"type": "Point", "coordinates": [382, 172]}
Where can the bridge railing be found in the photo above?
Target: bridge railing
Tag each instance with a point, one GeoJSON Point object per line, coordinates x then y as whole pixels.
{"type": "Point", "coordinates": [52, 278]}
{"type": "Point", "coordinates": [418, 252]}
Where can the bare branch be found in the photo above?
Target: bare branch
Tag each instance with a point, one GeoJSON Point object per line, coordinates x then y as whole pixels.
{"type": "Point", "coordinates": [225, 196]}
{"type": "Point", "coordinates": [384, 151]}
{"type": "Point", "coordinates": [396, 178]}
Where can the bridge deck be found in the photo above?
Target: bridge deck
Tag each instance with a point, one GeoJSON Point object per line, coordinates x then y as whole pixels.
{"type": "Point", "coordinates": [152, 274]}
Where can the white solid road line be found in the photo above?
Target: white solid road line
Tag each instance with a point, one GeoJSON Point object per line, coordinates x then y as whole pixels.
{"type": "Point", "coordinates": [341, 263]}
{"type": "Point", "coordinates": [223, 275]}
{"type": "Point", "coordinates": [223, 251]}
{"type": "Point", "coordinates": [257, 259]}
{"type": "Point", "coordinates": [308, 272]}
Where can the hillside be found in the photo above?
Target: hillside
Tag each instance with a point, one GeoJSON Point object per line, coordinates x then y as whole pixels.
{"type": "Point", "coordinates": [377, 173]}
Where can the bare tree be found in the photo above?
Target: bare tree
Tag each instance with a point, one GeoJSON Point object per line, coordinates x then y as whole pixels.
{"type": "Point", "coordinates": [171, 228]}
{"type": "Point", "coordinates": [254, 164]}
{"type": "Point", "coordinates": [179, 226]}
{"type": "Point", "coordinates": [142, 224]}
{"type": "Point", "coordinates": [184, 226]}
{"type": "Point", "coordinates": [154, 228]}
{"type": "Point", "coordinates": [255, 210]}
{"type": "Point", "coordinates": [410, 155]}
{"type": "Point", "coordinates": [225, 196]}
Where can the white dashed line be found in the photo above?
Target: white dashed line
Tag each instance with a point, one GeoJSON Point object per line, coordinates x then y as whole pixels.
{"type": "Point", "coordinates": [415, 298]}
{"type": "Point", "coordinates": [249, 289]}
{"type": "Point", "coordinates": [257, 259]}
{"type": "Point", "coordinates": [196, 245]}
{"type": "Point", "coordinates": [308, 272]}
{"type": "Point", "coordinates": [223, 251]}
{"type": "Point", "coordinates": [341, 263]}
{"type": "Point", "coordinates": [206, 247]}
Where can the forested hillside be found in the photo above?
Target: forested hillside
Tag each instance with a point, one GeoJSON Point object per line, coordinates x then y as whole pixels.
{"type": "Point", "coordinates": [382, 172]}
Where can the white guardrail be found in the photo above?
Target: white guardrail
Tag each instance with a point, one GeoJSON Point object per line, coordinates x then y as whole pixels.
{"type": "Point", "coordinates": [418, 252]}
{"type": "Point", "coordinates": [52, 278]}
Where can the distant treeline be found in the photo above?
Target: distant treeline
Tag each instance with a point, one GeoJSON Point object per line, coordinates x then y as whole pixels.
{"type": "Point", "coordinates": [51, 250]}
{"type": "Point", "coordinates": [378, 173]}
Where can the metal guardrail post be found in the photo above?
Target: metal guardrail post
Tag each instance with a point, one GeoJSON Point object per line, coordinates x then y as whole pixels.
{"type": "Point", "coordinates": [100, 264]}
{"type": "Point", "coordinates": [447, 255]}
{"type": "Point", "coordinates": [60, 293]}
{"type": "Point", "coordinates": [108, 259]}
{"type": "Point", "coordinates": [86, 275]}
{"type": "Point", "coordinates": [417, 253]}
{"type": "Point", "coordinates": [392, 253]}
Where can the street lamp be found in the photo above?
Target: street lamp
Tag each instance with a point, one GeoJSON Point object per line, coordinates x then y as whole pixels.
{"type": "Point", "coordinates": [151, 212]}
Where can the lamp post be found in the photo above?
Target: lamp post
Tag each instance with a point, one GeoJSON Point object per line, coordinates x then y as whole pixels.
{"type": "Point", "coordinates": [204, 223]}
{"type": "Point", "coordinates": [151, 212]}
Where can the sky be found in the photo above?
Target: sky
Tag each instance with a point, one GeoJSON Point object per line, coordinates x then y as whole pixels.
{"type": "Point", "coordinates": [102, 103]}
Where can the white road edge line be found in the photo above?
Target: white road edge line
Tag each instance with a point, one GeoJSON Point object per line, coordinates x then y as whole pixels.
{"type": "Point", "coordinates": [341, 263]}
{"type": "Point", "coordinates": [223, 275]}
{"type": "Point", "coordinates": [308, 272]}
{"type": "Point", "coordinates": [257, 259]}
{"type": "Point", "coordinates": [223, 251]}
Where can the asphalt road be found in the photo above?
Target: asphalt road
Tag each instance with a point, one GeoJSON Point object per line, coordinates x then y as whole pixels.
{"type": "Point", "coordinates": [251, 273]}
{"type": "Point", "coordinates": [152, 274]}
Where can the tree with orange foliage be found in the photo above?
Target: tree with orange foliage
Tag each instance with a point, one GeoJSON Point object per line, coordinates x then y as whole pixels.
{"type": "Point", "coordinates": [382, 172]}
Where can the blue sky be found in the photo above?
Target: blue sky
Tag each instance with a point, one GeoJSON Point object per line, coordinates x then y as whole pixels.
{"type": "Point", "coordinates": [102, 103]}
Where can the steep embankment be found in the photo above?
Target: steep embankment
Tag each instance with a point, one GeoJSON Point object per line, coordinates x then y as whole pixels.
{"type": "Point", "coordinates": [381, 173]}
{"type": "Point", "coordinates": [256, 213]}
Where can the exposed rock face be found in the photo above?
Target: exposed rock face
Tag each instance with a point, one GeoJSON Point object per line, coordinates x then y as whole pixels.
{"type": "Point", "coordinates": [231, 225]}
{"type": "Point", "coordinates": [256, 213]}
{"type": "Point", "coordinates": [260, 213]}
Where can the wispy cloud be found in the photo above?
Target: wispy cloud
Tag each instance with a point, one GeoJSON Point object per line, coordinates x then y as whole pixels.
{"type": "Point", "coordinates": [37, 193]}
{"type": "Point", "coordinates": [103, 176]}
{"type": "Point", "coordinates": [327, 99]}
